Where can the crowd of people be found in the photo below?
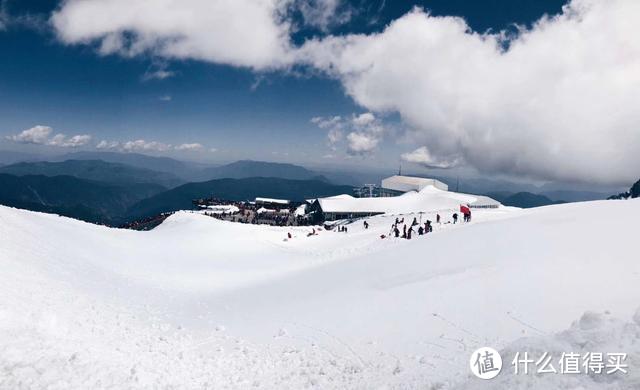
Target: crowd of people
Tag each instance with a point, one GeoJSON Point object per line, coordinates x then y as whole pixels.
{"type": "Point", "coordinates": [146, 223]}
{"type": "Point", "coordinates": [400, 229]}
{"type": "Point", "coordinates": [408, 230]}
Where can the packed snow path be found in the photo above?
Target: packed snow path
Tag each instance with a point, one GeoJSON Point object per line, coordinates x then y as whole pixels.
{"type": "Point", "coordinates": [202, 303]}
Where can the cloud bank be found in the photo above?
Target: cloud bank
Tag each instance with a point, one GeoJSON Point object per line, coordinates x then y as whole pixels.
{"type": "Point", "coordinates": [40, 135]}
{"type": "Point", "coordinates": [422, 156]}
{"type": "Point", "coordinates": [142, 145]}
{"type": "Point", "coordinates": [247, 33]}
{"type": "Point", "coordinates": [556, 102]}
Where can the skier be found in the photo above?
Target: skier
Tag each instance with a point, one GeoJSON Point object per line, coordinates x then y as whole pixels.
{"type": "Point", "coordinates": [366, 225]}
{"type": "Point", "coordinates": [455, 218]}
{"type": "Point", "coordinates": [404, 231]}
{"type": "Point", "coordinates": [396, 231]}
{"type": "Point", "coordinates": [420, 231]}
{"type": "Point", "coordinates": [438, 218]}
{"type": "Point", "coordinates": [409, 233]}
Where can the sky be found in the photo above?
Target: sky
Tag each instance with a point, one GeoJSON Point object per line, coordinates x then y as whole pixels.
{"type": "Point", "coordinates": [542, 90]}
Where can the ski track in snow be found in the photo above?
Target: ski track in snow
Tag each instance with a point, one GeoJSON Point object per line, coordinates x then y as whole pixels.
{"type": "Point", "coordinates": [200, 303]}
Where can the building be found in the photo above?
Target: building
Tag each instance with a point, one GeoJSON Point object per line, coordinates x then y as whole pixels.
{"type": "Point", "coordinates": [484, 202]}
{"type": "Point", "coordinates": [344, 207]}
{"type": "Point", "coordinates": [397, 185]}
{"type": "Point", "coordinates": [273, 203]}
{"type": "Point", "coordinates": [404, 195]}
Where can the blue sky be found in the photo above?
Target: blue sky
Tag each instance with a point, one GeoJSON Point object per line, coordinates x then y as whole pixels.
{"type": "Point", "coordinates": [234, 111]}
{"type": "Point", "coordinates": [243, 114]}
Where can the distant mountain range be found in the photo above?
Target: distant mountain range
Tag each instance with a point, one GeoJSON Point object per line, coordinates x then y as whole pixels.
{"type": "Point", "coordinates": [10, 157]}
{"type": "Point", "coordinates": [73, 197]}
{"type": "Point", "coordinates": [235, 189]}
{"type": "Point", "coordinates": [112, 188]}
{"type": "Point", "coordinates": [247, 168]}
{"type": "Point", "coordinates": [96, 170]}
{"type": "Point", "coordinates": [634, 192]}
{"type": "Point", "coordinates": [194, 172]}
{"type": "Point", "coordinates": [187, 171]}
{"type": "Point", "coordinates": [522, 199]}
{"type": "Point", "coordinates": [112, 192]}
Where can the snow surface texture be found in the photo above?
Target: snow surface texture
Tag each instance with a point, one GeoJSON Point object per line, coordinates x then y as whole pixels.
{"type": "Point", "coordinates": [203, 303]}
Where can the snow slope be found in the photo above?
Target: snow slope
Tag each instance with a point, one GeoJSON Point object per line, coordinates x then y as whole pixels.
{"type": "Point", "coordinates": [202, 303]}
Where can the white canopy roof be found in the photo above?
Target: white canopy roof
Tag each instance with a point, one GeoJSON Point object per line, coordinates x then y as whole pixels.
{"type": "Point", "coordinates": [411, 183]}
{"type": "Point", "coordinates": [270, 200]}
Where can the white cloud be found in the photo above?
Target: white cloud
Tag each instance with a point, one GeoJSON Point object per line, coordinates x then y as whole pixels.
{"type": "Point", "coordinates": [159, 74]}
{"type": "Point", "coordinates": [423, 157]}
{"type": "Point", "coordinates": [559, 103]}
{"type": "Point", "coordinates": [324, 14]}
{"type": "Point", "coordinates": [365, 132]}
{"type": "Point", "coordinates": [327, 123]}
{"type": "Point", "coordinates": [334, 126]}
{"type": "Point", "coordinates": [334, 136]}
{"type": "Point", "coordinates": [194, 147]}
{"type": "Point", "coordinates": [364, 119]}
{"type": "Point", "coordinates": [141, 145]}
{"type": "Point", "coordinates": [104, 144]}
{"type": "Point", "coordinates": [39, 135]}
{"type": "Point", "coordinates": [248, 33]}
{"type": "Point", "coordinates": [4, 16]}
{"type": "Point", "coordinates": [72, 142]}
{"type": "Point", "coordinates": [361, 143]}
{"type": "Point", "coordinates": [165, 98]}
{"type": "Point", "coordinates": [35, 135]}
{"type": "Point", "coordinates": [158, 70]}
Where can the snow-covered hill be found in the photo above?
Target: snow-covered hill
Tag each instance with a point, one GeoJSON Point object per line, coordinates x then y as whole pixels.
{"type": "Point", "coordinates": [199, 302]}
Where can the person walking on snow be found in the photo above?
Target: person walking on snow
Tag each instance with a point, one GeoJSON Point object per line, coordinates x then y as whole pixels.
{"type": "Point", "coordinates": [455, 218]}
{"type": "Point", "coordinates": [438, 218]}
